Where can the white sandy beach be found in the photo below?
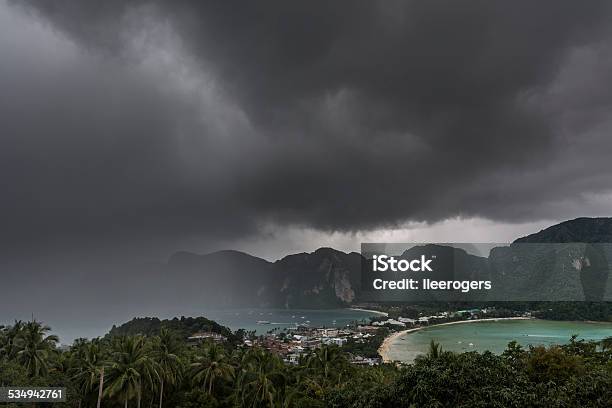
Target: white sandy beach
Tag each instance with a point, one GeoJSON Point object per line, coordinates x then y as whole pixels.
{"type": "Point", "coordinates": [371, 311]}
{"type": "Point", "coordinates": [384, 347]}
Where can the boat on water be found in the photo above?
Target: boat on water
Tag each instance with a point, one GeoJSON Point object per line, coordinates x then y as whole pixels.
{"type": "Point", "coordinates": [263, 322]}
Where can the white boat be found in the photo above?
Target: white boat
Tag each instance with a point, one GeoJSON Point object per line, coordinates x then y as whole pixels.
{"type": "Point", "coordinates": [263, 322]}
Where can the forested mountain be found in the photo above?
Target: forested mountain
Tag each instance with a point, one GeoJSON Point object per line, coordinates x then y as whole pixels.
{"type": "Point", "coordinates": [329, 278]}
{"type": "Point", "coordinates": [590, 230]}
{"type": "Point", "coordinates": [325, 278]}
{"type": "Point", "coordinates": [568, 261]}
{"type": "Point", "coordinates": [183, 327]}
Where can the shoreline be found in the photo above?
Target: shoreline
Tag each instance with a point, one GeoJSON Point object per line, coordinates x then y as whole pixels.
{"type": "Point", "coordinates": [378, 312]}
{"type": "Point", "coordinates": [384, 347]}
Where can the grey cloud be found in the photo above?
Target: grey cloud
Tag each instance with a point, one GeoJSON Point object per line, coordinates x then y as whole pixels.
{"type": "Point", "coordinates": [337, 116]}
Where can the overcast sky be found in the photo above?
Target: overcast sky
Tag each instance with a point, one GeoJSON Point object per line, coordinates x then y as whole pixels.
{"type": "Point", "coordinates": [137, 128]}
{"type": "Point", "coordinates": [130, 129]}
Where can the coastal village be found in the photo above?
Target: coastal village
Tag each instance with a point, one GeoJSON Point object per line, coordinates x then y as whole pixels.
{"type": "Point", "coordinates": [365, 342]}
{"type": "Point", "coordinates": [291, 344]}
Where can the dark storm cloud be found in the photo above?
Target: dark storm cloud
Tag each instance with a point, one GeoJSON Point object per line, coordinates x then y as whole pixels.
{"type": "Point", "coordinates": [207, 118]}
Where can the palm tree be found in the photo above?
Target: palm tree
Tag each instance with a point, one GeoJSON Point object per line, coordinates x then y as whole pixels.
{"type": "Point", "coordinates": [328, 360]}
{"type": "Point", "coordinates": [34, 348]}
{"type": "Point", "coordinates": [131, 368]}
{"type": "Point", "coordinates": [8, 337]}
{"type": "Point", "coordinates": [289, 396]}
{"type": "Point", "coordinates": [211, 366]}
{"type": "Point", "coordinates": [435, 350]}
{"type": "Point", "coordinates": [166, 349]}
{"type": "Point", "coordinates": [262, 381]}
{"type": "Point", "coordinates": [100, 387]}
{"type": "Point", "coordinates": [88, 368]}
{"type": "Point", "coordinates": [3, 342]}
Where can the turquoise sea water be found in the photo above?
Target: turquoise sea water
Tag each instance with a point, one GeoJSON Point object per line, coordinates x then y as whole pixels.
{"type": "Point", "coordinates": [233, 318]}
{"type": "Point", "coordinates": [494, 336]}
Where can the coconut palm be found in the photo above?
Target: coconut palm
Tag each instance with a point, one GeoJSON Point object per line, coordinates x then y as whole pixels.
{"type": "Point", "coordinates": [328, 361]}
{"type": "Point", "coordinates": [131, 369]}
{"type": "Point", "coordinates": [212, 366]}
{"type": "Point", "coordinates": [8, 337]}
{"type": "Point", "coordinates": [33, 348]}
{"type": "Point", "coordinates": [435, 350]}
{"type": "Point", "coordinates": [166, 349]}
{"type": "Point", "coordinates": [88, 368]}
{"type": "Point", "coordinates": [262, 382]}
{"type": "Point", "coordinates": [3, 342]}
